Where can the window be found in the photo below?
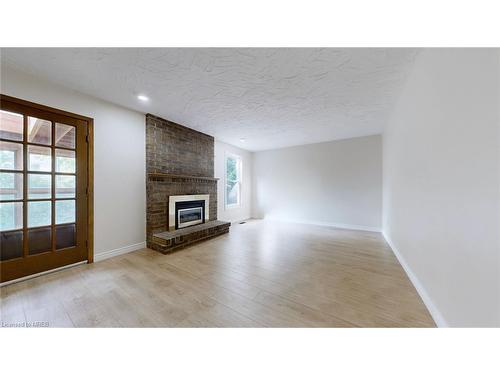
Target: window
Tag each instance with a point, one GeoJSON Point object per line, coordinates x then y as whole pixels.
{"type": "Point", "coordinates": [233, 181]}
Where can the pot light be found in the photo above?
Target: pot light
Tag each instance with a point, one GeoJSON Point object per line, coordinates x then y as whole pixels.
{"type": "Point", "coordinates": [242, 140]}
{"type": "Point", "coordinates": [142, 98]}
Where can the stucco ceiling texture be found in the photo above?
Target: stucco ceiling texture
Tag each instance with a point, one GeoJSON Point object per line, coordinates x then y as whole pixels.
{"type": "Point", "coordinates": [271, 97]}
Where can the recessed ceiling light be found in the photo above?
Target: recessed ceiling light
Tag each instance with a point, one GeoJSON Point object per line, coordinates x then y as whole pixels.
{"type": "Point", "coordinates": [143, 98]}
{"type": "Point", "coordinates": [242, 140]}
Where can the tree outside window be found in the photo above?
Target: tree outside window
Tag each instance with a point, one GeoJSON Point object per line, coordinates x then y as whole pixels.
{"type": "Point", "coordinates": [233, 181]}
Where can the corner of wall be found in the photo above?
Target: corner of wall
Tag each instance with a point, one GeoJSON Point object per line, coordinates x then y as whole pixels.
{"type": "Point", "coordinates": [426, 299]}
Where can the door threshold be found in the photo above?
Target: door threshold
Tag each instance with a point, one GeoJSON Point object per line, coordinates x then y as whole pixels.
{"type": "Point", "coordinates": [24, 278]}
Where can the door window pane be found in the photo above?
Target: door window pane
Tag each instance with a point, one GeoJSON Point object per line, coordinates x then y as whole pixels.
{"type": "Point", "coordinates": [11, 126]}
{"type": "Point", "coordinates": [65, 186]}
{"type": "Point", "coordinates": [11, 156]}
{"type": "Point", "coordinates": [65, 236]}
{"type": "Point", "coordinates": [65, 211]}
{"type": "Point", "coordinates": [39, 131]}
{"type": "Point", "coordinates": [65, 161]}
{"type": "Point", "coordinates": [39, 186]}
{"type": "Point", "coordinates": [11, 216]}
{"type": "Point", "coordinates": [39, 240]}
{"type": "Point", "coordinates": [11, 245]}
{"type": "Point", "coordinates": [65, 136]}
{"type": "Point", "coordinates": [11, 186]}
{"type": "Point", "coordinates": [39, 213]}
{"type": "Point", "coordinates": [39, 159]}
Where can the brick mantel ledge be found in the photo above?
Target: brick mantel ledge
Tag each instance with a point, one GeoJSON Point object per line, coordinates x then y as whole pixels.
{"type": "Point", "coordinates": [186, 177]}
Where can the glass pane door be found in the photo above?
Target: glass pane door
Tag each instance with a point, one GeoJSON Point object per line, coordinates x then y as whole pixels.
{"type": "Point", "coordinates": [43, 188]}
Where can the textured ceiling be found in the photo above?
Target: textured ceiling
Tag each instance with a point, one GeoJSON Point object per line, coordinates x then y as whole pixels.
{"type": "Point", "coordinates": [272, 97]}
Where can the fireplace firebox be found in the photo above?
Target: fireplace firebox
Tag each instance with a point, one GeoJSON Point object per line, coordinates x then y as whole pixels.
{"type": "Point", "coordinates": [187, 210]}
{"type": "Point", "coordinates": [189, 213]}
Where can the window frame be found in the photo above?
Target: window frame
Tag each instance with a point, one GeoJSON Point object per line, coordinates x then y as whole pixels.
{"type": "Point", "coordinates": [239, 167]}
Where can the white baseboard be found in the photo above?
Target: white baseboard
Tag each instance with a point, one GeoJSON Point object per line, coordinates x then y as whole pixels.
{"type": "Point", "coordinates": [122, 250]}
{"type": "Point", "coordinates": [328, 224]}
{"type": "Point", "coordinates": [433, 310]}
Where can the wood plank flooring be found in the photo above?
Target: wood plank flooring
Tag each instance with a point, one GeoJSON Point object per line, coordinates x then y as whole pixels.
{"type": "Point", "coordinates": [261, 274]}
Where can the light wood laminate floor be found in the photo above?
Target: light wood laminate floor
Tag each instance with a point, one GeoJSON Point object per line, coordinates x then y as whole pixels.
{"type": "Point", "coordinates": [261, 274]}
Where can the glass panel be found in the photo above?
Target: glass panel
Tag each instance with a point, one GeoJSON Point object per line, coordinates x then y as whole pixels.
{"type": "Point", "coordinates": [39, 131]}
{"type": "Point", "coordinates": [11, 186]}
{"type": "Point", "coordinates": [65, 236]}
{"type": "Point", "coordinates": [11, 126]}
{"type": "Point", "coordinates": [11, 215]}
{"type": "Point", "coordinates": [65, 186]}
{"type": "Point", "coordinates": [65, 161]}
{"type": "Point", "coordinates": [65, 136]}
{"type": "Point", "coordinates": [11, 245]}
{"type": "Point", "coordinates": [232, 181]}
{"type": "Point", "coordinates": [65, 211]}
{"type": "Point", "coordinates": [39, 186]}
{"type": "Point", "coordinates": [231, 169]}
{"type": "Point", "coordinates": [190, 214]}
{"type": "Point", "coordinates": [39, 213]}
{"type": "Point", "coordinates": [39, 159]}
{"type": "Point", "coordinates": [39, 240]}
{"type": "Point", "coordinates": [232, 193]}
{"type": "Point", "coordinates": [11, 156]}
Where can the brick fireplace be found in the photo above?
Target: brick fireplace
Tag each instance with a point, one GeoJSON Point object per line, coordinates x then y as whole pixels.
{"type": "Point", "coordinates": [179, 162]}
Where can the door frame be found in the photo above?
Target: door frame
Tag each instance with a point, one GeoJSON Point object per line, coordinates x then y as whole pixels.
{"type": "Point", "coordinates": [90, 163]}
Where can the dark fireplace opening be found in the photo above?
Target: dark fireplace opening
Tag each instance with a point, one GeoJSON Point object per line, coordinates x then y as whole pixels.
{"type": "Point", "coordinates": [189, 213]}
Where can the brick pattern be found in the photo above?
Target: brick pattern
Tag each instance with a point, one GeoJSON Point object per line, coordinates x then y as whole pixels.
{"type": "Point", "coordinates": [159, 189]}
{"type": "Point", "coordinates": [173, 148]}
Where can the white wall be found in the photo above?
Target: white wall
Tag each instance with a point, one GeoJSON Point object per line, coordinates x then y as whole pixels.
{"type": "Point", "coordinates": [119, 159]}
{"type": "Point", "coordinates": [441, 184]}
{"type": "Point", "coordinates": [335, 183]}
{"type": "Point", "coordinates": [244, 211]}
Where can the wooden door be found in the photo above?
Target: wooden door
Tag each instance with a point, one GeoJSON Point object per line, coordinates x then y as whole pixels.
{"type": "Point", "coordinates": [44, 188]}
